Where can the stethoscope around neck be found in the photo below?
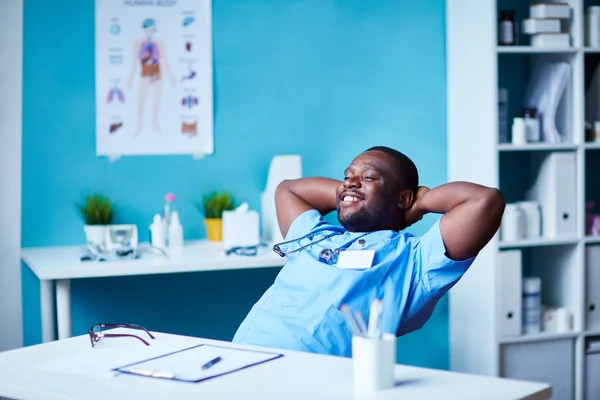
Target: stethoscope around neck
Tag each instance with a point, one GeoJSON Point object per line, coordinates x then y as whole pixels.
{"type": "Point", "coordinates": [326, 256]}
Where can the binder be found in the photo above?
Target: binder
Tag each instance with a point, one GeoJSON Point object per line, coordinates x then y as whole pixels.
{"type": "Point", "coordinates": [593, 287]}
{"type": "Point", "coordinates": [555, 189]}
{"type": "Point", "coordinates": [510, 288]}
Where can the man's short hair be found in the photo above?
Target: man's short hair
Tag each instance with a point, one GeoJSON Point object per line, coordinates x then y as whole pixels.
{"type": "Point", "coordinates": [406, 170]}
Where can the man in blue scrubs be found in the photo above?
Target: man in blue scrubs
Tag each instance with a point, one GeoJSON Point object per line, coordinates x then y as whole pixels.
{"type": "Point", "coordinates": [368, 257]}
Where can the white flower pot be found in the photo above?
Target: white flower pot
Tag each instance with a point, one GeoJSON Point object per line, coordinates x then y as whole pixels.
{"type": "Point", "coordinates": [96, 235]}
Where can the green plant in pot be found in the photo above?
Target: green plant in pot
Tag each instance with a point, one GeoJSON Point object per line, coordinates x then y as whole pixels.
{"type": "Point", "coordinates": [213, 206]}
{"type": "Point", "coordinates": [97, 212]}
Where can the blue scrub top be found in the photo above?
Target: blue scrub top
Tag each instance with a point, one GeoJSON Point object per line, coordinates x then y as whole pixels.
{"type": "Point", "coordinates": [300, 311]}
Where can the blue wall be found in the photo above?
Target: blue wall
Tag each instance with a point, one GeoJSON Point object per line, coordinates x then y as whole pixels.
{"type": "Point", "coordinates": [321, 78]}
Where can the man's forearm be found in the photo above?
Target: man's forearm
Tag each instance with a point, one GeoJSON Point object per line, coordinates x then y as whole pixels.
{"type": "Point", "coordinates": [446, 197]}
{"type": "Point", "coordinates": [316, 191]}
{"type": "Point", "coordinates": [472, 215]}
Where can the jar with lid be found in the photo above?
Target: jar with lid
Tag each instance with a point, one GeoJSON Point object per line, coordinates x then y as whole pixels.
{"type": "Point", "coordinates": [507, 32]}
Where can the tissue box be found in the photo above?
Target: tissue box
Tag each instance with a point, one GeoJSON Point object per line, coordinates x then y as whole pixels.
{"type": "Point", "coordinates": [240, 228]}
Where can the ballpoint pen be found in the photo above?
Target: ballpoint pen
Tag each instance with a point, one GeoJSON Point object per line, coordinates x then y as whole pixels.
{"type": "Point", "coordinates": [211, 363]}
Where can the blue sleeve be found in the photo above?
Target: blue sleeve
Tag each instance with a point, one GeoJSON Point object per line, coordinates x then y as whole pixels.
{"type": "Point", "coordinates": [438, 273]}
{"type": "Point", "coordinates": [304, 223]}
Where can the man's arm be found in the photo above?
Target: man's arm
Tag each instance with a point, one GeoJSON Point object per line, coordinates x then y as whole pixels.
{"type": "Point", "coordinates": [293, 197]}
{"type": "Point", "coordinates": [472, 215]}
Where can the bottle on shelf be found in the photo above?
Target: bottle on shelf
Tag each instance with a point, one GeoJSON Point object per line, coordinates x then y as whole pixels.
{"type": "Point", "coordinates": [532, 305]}
{"type": "Point", "coordinates": [507, 35]}
{"type": "Point", "coordinates": [175, 233]}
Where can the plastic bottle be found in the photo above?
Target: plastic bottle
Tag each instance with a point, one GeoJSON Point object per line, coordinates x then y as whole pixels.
{"type": "Point", "coordinates": [532, 305]}
{"type": "Point", "coordinates": [175, 233]}
{"type": "Point", "coordinates": [503, 128]}
{"type": "Point", "coordinates": [167, 211]}
{"type": "Point", "coordinates": [508, 28]}
{"type": "Point", "coordinates": [157, 232]}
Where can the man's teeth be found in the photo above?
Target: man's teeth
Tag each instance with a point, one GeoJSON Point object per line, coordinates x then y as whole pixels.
{"type": "Point", "coordinates": [350, 198]}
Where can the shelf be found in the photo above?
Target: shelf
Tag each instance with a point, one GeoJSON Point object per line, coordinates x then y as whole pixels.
{"type": "Point", "coordinates": [592, 239]}
{"type": "Point", "coordinates": [537, 243]}
{"type": "Point", "coordinates": [591, 49]}
{"type": "Point", "coordinates": [592, 145]}
{"type": "Point", "coordinates": [536, 147]}
{"type": "Point", "coordinates": [591, 333]}
{"type": "Point", "coordinates": [535, 50]}
{"type": "Point", "coordinates": [538, 337]}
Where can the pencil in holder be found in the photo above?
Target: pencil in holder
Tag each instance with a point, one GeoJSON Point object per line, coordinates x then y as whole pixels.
{"type": "Point", "coordinates": [373, 362]}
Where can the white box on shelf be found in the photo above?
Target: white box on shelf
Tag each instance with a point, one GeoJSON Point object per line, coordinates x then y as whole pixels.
{"type": "Point", "coordinates": [551, 40]}
{"type": "Point", "coordinates": [510, 302]}
{"type": "Point", "coordinates": [240, 228]}
{"type": "Point", "coordinates": [555, 189]}
{"type": "Point", "coordinates": [535, 25]}
{"type": "Point", "coordinates": [550, 10]}
{"type": "Point", "coordinates": [593, 287]}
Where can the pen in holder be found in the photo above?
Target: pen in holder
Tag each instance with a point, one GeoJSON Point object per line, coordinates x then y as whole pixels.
{"type": "Point", "coordinates": [374, 360]}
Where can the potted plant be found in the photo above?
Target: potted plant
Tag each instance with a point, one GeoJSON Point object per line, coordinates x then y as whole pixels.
{"type": "Point", "coordinates": [214, 204]}
{"type": "Point", "coordinates": [97, 213]}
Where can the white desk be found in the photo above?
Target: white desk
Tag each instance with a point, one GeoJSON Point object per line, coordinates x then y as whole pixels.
{"type": "Point", "coordinates": [61, 264]}
{"type": "Point", "coordinates": [33, 373]}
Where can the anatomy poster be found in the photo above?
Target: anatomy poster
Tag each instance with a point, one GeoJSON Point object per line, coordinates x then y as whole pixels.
{"type": "Point", "coordinates": [154, 82]}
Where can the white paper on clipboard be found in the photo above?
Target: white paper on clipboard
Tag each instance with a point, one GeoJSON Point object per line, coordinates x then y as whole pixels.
{"type": "Point", "coordinates": [186, 365]}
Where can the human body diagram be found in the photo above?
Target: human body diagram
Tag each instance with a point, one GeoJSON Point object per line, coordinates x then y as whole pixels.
{"type": "Point", "coordinates": [149, 52]}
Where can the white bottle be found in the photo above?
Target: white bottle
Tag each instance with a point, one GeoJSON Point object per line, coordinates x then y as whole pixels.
{"type": "Point", "coordinates": [519, 131]}
{"type": "Point", "coordinates": [532, 305]}
{"type": "Point", "coordinates": [513, 224]}
{"type": "Point", "coordinates": [175, 233]}
{"type": "Point", "coordinates": [157, 232]}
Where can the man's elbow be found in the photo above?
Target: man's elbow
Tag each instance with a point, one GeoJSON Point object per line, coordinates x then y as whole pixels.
{"type": "Point", "coordinates": [494, 203]}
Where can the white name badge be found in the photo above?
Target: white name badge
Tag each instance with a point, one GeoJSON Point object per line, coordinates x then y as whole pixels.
{"type": "Point", "coordinates": [356, 259]}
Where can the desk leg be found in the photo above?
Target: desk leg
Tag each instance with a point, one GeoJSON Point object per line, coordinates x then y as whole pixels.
{"type": "Point", "coordinates": [47, 308]}
{"type": "Point", "coordinates": [63, 308]}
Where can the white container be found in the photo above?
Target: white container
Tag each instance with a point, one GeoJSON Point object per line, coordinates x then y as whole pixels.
{"type": "Point", "coordinates": [532, 305]}
{"type": "Point", "coordinates": [373, 362]}
{"type": "Point", "coordinates": [597, 131]}
{"type": "Point", "coordinates": [563, 320]}
{"type": "Point", "coordinates": [95, 235]}
{"type": "Point", "coordinates": [532, 219]}
{"type": "Point", "coordinates": [532, 26]}
{"type": "Point", "coordinates": [550, 10]}
{"type": "Point", "coordinates": [551, 40]}
{"type": "Point", "coordinates": [175, 233]}
{"type": "Point", "coordinates": [592, 26]}
{"type": "Point", "coordinates": [519, 131]}
{"type": "Point", "coordinates": [157, 233]}
{"type": "Point", "coordinates": [512, 225]}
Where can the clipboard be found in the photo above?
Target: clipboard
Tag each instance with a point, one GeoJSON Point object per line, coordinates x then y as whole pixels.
{"type": "Point", "coordinates": [186, 365]}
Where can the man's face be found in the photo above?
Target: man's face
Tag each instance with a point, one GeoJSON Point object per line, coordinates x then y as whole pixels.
{"type": "Point", "coordinates": [368, 199]}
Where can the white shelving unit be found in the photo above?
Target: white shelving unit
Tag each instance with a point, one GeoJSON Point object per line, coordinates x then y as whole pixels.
{"type": "Point", "coordinates": [476, 68]}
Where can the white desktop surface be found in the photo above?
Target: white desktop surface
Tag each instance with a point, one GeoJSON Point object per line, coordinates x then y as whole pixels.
{"type": "Point", "coordinates": [24, 375]}
{"type": "Point", "coordinates": [62, 262]}
{"type": "Point", "coordinates": [56, 266]}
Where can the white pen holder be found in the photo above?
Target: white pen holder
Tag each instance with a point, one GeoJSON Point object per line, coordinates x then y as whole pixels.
{"type": "Point", "coordinates": [374, 362]}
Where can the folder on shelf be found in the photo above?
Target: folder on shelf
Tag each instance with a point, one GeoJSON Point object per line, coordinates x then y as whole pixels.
{"type": "Point", "coordinates": [555, 189]}
{"type": "Point", "coordinates": [187, 365]}
{"type": "Point", "coordinates": [510, 301]}
{"type": "Point", "coordinates": [549, 91]}
{"type": "Point", "coordinates": [593, 287]}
